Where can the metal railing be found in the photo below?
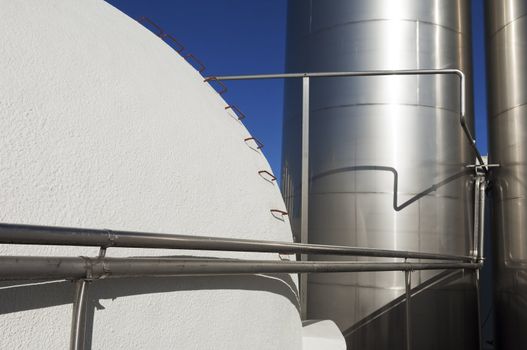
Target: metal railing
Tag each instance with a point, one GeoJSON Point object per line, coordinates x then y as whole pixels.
{"type": "Point", "coordinates": [52, 235]}
{"type": "Point", "coordinates": [93, 268]}
{"type": "Point", "coordinates": [304, 191]}
{"type": "Point", "coordinates": [84, 269]}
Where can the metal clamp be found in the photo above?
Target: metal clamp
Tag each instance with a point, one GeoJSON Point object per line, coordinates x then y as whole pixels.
{"type": "Point", "coordinates": [112, 237]}
{"type": "Point", "coordinates": [217, 82]}
{"type": "Point", "coordinates": [147, 20]}
{"type": "Point", "coordinates": [479, 166]}
{"type": "Point", "coordinates": [179, 47]}
{"type": "Point", "coordinates": [102, 252]}
{"type": "Point", "coordinates": [269, 174]}
{"type": "Point", "coordinates": [190, 57]}
{"type": "Point", "coordinates": [236, 111]}
{"type": "Point", "coordinates": [161, 33]}
{"type": "Point", "coordinates": [259, 144]}
{"type": "Point", "coordinates": [284, 257]}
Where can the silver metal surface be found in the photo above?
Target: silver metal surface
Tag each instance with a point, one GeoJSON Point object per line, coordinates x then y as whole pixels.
{"type": "Point", "coordinates": [73, 268]}
{"type": "Point", "coordinates": [507, 113]}
{"type": "Point", "coordinates": [482, 188]}
{"type": "Point", "coordinates": [78, 324]}
{"type": "Point", "coordinates": [362, 126]}
{"type": "Point", "coordinates": [476, 230]}
{"type": "Point", "coordinates": [53, 235]}
{"type": "Point", "coordinates": [304, 191]}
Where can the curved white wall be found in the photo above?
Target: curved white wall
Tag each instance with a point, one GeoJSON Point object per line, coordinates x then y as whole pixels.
{"type": "Point", "coordinates": [103, 125]}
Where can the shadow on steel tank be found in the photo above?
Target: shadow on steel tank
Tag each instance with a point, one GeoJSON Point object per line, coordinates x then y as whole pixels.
{"type": "Point", "coordinates": [406, 123]}
{"type": "Point", "coordinates": [506, 23]}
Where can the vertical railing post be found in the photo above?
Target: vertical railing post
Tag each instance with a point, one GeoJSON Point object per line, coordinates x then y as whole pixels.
{"type": "Point", "coordinates": [480, 186]}
{"type": "Point", "coordinates": [481, 217]}
{"type": "Point", "coordinates": [78, 323]}
{"type": "Point", "coordinates": [478, 300]}
{"type": "Point", "coordinates": [408, 284]}
{"type": "Point", "coordinates": [476, 232]}
{"type": "Point", "coordinates": [304, 219]}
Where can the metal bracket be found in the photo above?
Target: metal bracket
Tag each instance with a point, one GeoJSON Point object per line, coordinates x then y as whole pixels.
{"type": "Point", "coordinates": [269, 176]}
{"type": "Point", "coordinates": [223, 87]}
{"type": "Point", "coordinates": [408, 285]}
{"type": "Point", "coordinates": [282, 213]}
{"type": "Point", "coordinates": [147, 20]}
{"type": "Point", "coordinates": [179, 47]}
{"type": "Point", "coordinates": [259, 144]}
{"type": "Point", "coordinates": [480, 167]}
{"type": "Point", "coordinates": [191, 57]}
{"type": "Point", "coordinates": [236, 111]}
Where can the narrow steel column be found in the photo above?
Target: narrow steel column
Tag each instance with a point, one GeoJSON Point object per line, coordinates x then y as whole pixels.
{"type": "Point", "coordinates": [481, 219]}
{"type": "Point", "coordinates": [304, 216]}
{"type": "Point", "coordinates": [78, 324]}
{"type": "Point", "coordinates": [408, 283]}
{"type": "Point", "coordinates": [478, 300]}
{"type": "Point", "coordinates": [476, 232]}
{"type": "Point", "coordinates": [476, 236]}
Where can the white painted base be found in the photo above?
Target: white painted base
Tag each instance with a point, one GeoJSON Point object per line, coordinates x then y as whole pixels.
{"type": "Point", "coordinates": [322, 335]}
{"type": "Point", "coordinates": [103, 125]}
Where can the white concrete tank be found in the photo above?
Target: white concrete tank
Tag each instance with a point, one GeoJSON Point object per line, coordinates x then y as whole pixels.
{"type": "Point", "coordinates": [103, 125]}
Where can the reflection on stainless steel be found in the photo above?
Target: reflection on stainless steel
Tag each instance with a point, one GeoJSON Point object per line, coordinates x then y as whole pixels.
{"type": "Point", "coordinates": [507, 84]}
{"type": "Point", "coordinates": [406, 123]}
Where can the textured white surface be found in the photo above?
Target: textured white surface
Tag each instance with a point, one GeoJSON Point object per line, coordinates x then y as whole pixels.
{"type": "Point", "coordinates": [103, 125]}
{"type": "Point", "coordinates": [325, 335]}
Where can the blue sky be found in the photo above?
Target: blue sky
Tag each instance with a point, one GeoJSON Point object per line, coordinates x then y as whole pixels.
{"type": "Point", "coordinates": [247, 37]}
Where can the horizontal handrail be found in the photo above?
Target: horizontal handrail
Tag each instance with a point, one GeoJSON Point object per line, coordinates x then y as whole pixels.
{"type": "Point", "coordinates": [72, 268]}
{"type": "Point", "coordinates": [53, 235]}
{"type": "Point", "coordinates": [389, 72]}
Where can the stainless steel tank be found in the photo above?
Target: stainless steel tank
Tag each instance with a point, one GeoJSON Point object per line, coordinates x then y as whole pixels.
{"type": "Point", "coordinates": [507, 113]}
{"type": "Point", "coordinates": [409, 124]}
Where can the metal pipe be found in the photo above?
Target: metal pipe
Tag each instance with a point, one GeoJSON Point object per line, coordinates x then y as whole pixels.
{"type": "Point", "coordinates": [472, 142]}
{"type": "Point", "coordinates": [52, 235]}
{"type": "Point", "coordinates": [457, 72]}
{"type": "Point", "coordinates": [304, 216]}
{"type": "Point", "coordinates": [476, 230]}
{"type": "Point", "coordinates": [46, 268]}
{"type": "Point", "coordinates": [408, 283]}
{"type": "Point", "coordinates": [481, 218]}
{"type": "Point", "coordinates": [354, 74]}
{"type": "Point", "coordinates": [78, 324]}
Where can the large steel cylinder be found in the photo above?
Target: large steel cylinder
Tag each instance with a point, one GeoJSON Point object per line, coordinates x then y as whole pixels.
{"type": "Point", "coordinates": [410, 126]}
{"type": "Point", "coordinates": [507, 113]}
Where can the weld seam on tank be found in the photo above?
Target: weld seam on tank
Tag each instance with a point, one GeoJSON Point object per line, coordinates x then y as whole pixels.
{"type": "Point", "coordinates": [323, 29]}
